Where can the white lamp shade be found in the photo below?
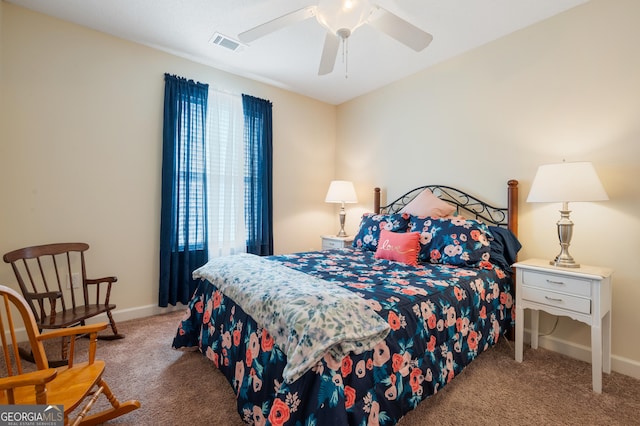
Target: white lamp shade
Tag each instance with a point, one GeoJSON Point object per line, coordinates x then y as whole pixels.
{"type": "Point", "coordinates": [566, 182]}
{"type": "Point", "coordinates": [341, 191]}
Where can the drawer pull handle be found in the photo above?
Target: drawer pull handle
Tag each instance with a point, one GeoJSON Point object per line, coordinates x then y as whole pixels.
{"type": "Point", "coordinates": [553, 299]}
{"type": "Point", "coordinates": [555, 282]}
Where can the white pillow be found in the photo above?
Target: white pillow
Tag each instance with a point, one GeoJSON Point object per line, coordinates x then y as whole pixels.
{"type": "Point", "coordinates": [426, 204]}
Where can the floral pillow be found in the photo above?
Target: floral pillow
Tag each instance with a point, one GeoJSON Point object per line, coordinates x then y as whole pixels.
{"type": "Point", "coordinates": [371, 225]}
{"type": "Point", "coordinates": [399, 246]}
{"type": "Point", "coordinates": [454, 241]}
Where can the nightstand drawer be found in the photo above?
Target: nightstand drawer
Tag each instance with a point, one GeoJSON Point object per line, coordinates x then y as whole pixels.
{"type": "Point", "coordinates": [560, 283]}
{"type": "Point", "coordinates": [559, 300]}
{"type": "Point", "coordinates": [332, 244]}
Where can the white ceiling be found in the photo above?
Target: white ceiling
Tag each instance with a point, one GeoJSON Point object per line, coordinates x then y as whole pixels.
{"type": "Point", "coordinates": [289, 58]}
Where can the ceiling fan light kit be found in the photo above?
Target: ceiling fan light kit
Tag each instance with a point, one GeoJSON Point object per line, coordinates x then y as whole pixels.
{"type": "Point", "coordinates": [341, 18]}
{"type": "Point", "coordinates": [343, 15]}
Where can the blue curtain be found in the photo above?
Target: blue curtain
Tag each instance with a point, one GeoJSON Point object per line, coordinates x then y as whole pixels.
{"type": "Point", "coordinates": [183, 224]}
{"type": "Point", "coordinates": [258, 134]}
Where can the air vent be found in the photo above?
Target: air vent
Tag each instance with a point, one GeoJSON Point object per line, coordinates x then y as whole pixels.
{"type": "Point", "coordinates": [226, 42]}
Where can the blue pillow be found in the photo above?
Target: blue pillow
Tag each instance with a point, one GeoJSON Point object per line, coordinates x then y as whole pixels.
{"type": "Point", "coordinates": [371, 224]}
{"type": "Point", "coordinates": [504, 247]}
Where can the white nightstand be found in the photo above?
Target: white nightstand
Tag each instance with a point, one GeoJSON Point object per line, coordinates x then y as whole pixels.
{"type": "Point", "coordinates": [333, 242]}
{"type": "Point", "coordinates": [583, 294]}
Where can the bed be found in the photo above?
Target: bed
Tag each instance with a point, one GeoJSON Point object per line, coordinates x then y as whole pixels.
{"type": "Point", "coordinates": [360, 335]}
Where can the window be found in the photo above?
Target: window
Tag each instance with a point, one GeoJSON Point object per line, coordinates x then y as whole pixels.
{"type": "Point", "coordinates": [226, 171]}
{"type": "Point", "coordinates": [216, 154]}
{"type": "Point", "coordinates": [191, 182]}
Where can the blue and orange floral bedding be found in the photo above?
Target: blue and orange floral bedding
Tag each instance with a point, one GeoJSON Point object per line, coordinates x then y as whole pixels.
{"type": "Point", "coordinates": [441, 318]}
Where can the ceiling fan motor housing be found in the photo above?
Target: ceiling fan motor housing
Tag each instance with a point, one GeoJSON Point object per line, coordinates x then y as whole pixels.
{"type": "Point", "coordinates": [343, 33]}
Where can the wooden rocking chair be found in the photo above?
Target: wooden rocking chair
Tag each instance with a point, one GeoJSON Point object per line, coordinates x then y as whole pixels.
{"type": "Point", "coordinates": [53, 280]}
{"type": "Point", "coordinates": [76, 386]}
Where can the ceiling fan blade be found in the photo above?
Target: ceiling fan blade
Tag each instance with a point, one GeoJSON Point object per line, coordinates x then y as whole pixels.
{"type": "Point", "coordinates": [329, 53]}
{"type": "Point", "coordinates": [276, 24]}
{"type": "Point", "coordinates": [401, 30]}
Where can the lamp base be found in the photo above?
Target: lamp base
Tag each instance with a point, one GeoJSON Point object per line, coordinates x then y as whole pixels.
{"type": "Point", "coordinates": [565, 232]}
{"type": "Point", "coordinates": [343, 215]}
{"type": "Point", "coordinates": [564, 263]}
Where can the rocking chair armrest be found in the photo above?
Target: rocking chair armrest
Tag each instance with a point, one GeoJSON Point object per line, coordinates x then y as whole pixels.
{"type": "Point", "coordinates": [73, 331]}
{"type": "Point", "coordinates": [109, 280]}
{"type": "Point", "coordinates": [34, 378]}
{"type": "Point", "coordinates": [48, 295]}
{"type": "Point", "coordinates": [97, 282]}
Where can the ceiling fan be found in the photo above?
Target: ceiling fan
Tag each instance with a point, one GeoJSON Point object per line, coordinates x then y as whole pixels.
{"type": "Point", "coordinates": [341, 18]}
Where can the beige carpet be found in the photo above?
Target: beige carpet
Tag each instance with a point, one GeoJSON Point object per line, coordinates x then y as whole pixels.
{"type": "Point", "coordinates": [184, 388]}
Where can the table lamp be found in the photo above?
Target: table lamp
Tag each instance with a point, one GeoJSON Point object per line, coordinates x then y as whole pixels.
{"type": "Point", "coordinates": [566, 182]}
{"type": "Point", "coordinates": [341, 191]}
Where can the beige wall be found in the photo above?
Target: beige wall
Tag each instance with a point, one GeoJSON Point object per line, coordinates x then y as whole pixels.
{"type": "Point", "coordinates": [566, 88]}
{"type": "Point", "coordinates": [81, 140]}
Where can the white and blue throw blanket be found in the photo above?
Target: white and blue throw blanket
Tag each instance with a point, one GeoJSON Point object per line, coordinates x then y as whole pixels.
{"type": "Point", "coordinates": [306, 316]}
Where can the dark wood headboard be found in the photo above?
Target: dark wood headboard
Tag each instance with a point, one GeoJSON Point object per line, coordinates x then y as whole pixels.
{"type": "Point", "coordinates": [465, 204]}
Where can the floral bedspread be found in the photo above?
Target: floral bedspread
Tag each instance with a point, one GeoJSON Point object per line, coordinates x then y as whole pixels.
{"type": "Point", "coordinates": [306, 316]}
{"type": "Point", "coordinates": [440, 318]}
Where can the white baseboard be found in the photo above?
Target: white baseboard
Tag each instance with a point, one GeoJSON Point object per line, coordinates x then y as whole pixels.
{"type": "Point", "coordinates": [142, 312]}
{"type": "Point", "coordinates": [619, 364]}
